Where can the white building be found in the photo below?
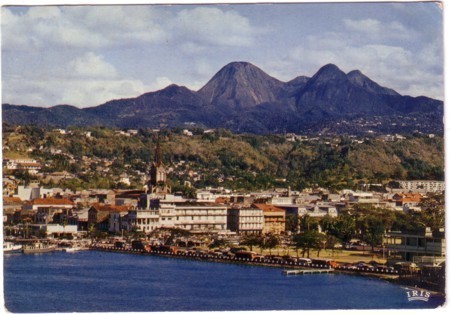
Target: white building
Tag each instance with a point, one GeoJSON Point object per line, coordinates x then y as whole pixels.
{"type": "Point", "coordinates": [245, 220]}
{"type": "Point", "coordinates": [319, 210]}
{"type": "Point", "coordinates": [205, 196]}
{"type": "Point", "coordinates": [423, 185]}
{"type": "Point", "coordinates": [201, 217]}
{"type": "Point", "coordinates": [145, 220]}
{"type": "Point", "coordinates": [53, 230]}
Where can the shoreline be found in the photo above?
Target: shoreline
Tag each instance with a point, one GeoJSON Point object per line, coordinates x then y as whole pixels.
{"type": "Point", "coordinates": [221, 259]}
{"type": "Point", "coordinates": [392, 277]}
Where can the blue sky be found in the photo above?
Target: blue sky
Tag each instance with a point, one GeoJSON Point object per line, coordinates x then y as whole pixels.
{"type": "Point", "coordinates": [87, 55]}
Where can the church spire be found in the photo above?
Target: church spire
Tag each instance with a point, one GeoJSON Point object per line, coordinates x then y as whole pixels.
{"type": "Point", "coordinates": [157, 184]}
{"type": "Point", "coordinates": [158, 159]}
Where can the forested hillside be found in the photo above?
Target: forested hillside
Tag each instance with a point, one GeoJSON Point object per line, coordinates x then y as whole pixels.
{"type": "Point", "coordinates": [221, 158]}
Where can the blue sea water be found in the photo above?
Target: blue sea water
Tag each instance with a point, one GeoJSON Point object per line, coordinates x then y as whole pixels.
{"type": "Point", "coordinates": [92, 281]}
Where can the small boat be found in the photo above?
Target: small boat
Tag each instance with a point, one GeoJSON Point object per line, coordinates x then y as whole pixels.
{"type": "Point", "coordinates": [38, 247]}
{"type": "Point", "coordinates": [10, 247]}
{"type": "Point", "coordinates": [71, 249]}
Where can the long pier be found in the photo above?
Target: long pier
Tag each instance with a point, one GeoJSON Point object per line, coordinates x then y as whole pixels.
{"type": "Point", "coordinates": [307, 271]}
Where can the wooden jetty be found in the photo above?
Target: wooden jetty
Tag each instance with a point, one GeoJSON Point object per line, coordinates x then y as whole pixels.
{"type": "Point", "coordinates": [306, 271]}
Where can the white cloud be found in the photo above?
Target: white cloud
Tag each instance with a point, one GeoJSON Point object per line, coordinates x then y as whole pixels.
{"type": "Point", "coordinates": [86, 55]}
{"type": "Point", "coordinates": [378, 30]}
{"type": "Point", "coordinates": [408, 72]}
{"type": "Point", "coordinates": [213, 26]}
{"type": "Point", "coordinates": [91, 65]}
{"type": "Point", "coordinates": [161, 82]}
{"type": "Point", "coordinates": [92, 92]}
{"type": "Point", "coordinates": [80, 92]}
{"type": "Point", "coordinates": [42, 27]}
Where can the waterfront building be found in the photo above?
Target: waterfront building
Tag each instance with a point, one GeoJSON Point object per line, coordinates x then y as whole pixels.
{"type": "Point", "coordinates": [99, 215]}
{"type": "Point", "coordinates": [115, 220]}
{"type": "Point", "coordinates": [79, 217]}
{"type": "Point", "coordinates": [52, 230]}
{"type": "Point", "coordinates": [143, 219]}
{"type": "Point", "coordinates": [171, 211]}
{"type": "Point", "coordinates": [273, 217]}
{"type": "Point", "coordinates": [407, 246]}
{"type": "Point", "coordinates": [201, 217]}
{"type": "Point", "coordinates": [245, 220]}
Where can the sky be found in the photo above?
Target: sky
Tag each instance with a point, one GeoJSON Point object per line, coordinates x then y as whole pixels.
{"type": "Point", "coordinates": [86, 55]}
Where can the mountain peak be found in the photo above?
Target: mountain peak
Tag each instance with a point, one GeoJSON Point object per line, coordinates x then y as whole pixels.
{"type": "Point", "coordinates": [361, 80]}
{"type": "Point", "coordinates": [327, 73]}
{"type": "Point", "coordinates": [240, 85]}
{"type": "Point", "coordinates": [330, 70]}
{"type": "Point", "coordinates": [239, 64]}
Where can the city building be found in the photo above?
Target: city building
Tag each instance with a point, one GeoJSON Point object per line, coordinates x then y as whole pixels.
{"type": "Point", "coordinates": [422, 185]}
{"type": "Point", "coordinates": [318, 210]}
{"type": "Point", "coordinates": [201, 217]}
{"type": "Point", "coordinates": [157, 185]}
{"type": "Point", "coordinates": [245, 220]}
{"type": "Point", "coordinates": [99, 215]}
{"type": "Point", "coordinates": [52, 230]}
{"type": "Point", "coordinates": [406, 246]}
{"type": "Point", "coordinates": [48, 203]}
{"type": "Point", "coordinates": [273, 217]}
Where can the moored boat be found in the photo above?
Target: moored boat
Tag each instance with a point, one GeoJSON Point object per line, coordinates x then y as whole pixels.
{"type": "Point", "coordinates": [10, 247]}
{"type": "Point", "coordinates": [38, 247]}
{"type": "Point", "coordinates": [72, 249]}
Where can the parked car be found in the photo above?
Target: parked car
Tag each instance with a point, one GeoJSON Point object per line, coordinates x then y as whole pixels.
{"type": "Point", "coordinates": [273, 258]}
{"type": "Point", "coordinates": [304, 260]}
{"type": "Point", "coordinates": [364, 265]}
{"type": "Point", "coordinates": [325, 262]}
{"type": "Point", "coordinates": [350, 266]}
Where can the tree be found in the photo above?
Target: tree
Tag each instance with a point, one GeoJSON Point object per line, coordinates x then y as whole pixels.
{"type": "Point", "coordinates": [343, 227]}
{"type": "Point", "coordinates": [270, 241]}
{"type": "Point", "coordinates": [320, 241]}
{"type": "Point", "coordinates": [176, 232]}
{"type": "Point", "coordinates": [218, 243]}
{"type": "Point", "coordinates": [374, 231]}
{"type": "Point", "coordinates": [251, 240]}
{"type": "Point", "coordinates": [307, 240]}
{"type": "Point", "coordinates": [292, 223]}
{"type": "Point", "coordinates": [433, 211]}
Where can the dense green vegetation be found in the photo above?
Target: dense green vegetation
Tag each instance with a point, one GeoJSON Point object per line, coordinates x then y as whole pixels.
{"type": "Point", "coordinates": [236, 161]}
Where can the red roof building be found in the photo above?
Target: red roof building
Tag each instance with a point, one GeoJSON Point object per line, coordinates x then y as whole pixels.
{"type": "Point", "coordinates": [274, 218]}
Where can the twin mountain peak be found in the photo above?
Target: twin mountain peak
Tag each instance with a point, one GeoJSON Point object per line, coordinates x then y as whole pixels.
{"type": "Point", "coordinates": [242, 97]}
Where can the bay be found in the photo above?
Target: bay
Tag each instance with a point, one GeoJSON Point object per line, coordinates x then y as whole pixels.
{"type": "Point", "coordinates": [93, 281]}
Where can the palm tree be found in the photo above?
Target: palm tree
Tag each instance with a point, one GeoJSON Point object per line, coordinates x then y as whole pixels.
{"type": "Point", "coordinates": [251, 240]}
{"type": "Point", "coordinates": [270, 241]}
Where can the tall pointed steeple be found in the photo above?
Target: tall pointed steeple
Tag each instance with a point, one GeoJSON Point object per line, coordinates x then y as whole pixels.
{"type": "Point", "coordinates": [157, 183]}
{"type": "Point", "coordinates": [158, 159]}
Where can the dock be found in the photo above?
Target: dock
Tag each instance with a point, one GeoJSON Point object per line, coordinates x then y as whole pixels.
{"type": "Point", "coordinates": [307, 271]}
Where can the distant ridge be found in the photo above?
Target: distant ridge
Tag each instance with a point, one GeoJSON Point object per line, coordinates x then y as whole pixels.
{"type": "Point", "coordinates": [243, 98]}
